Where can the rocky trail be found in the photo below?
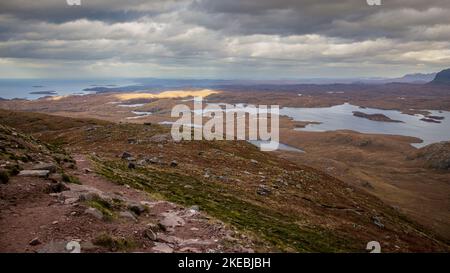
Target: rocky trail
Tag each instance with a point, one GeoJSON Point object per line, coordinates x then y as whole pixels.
{"type": "Point", "coordinates": [42, 215]}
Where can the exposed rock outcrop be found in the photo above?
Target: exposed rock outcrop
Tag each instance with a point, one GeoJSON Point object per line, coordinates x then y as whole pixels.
{"type": "Point", "coordinates": [436, 156]}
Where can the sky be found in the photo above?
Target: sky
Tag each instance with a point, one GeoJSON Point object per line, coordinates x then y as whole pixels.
{"type": "Point", "coordinates": [225, 39]}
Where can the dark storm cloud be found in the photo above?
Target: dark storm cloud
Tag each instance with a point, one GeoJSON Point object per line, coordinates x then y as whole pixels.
{"type": "Point", "coordinates": [278, 37]}
{"type": "Point", "coordinates": [345, 18]}
{"type": "Point", "coordinates": [59, 11]}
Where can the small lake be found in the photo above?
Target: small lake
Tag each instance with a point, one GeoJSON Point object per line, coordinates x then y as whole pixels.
{"type": "Point", "coordinates": [281, 146]}
{"type": "Point", "coordinates": [340, 117]}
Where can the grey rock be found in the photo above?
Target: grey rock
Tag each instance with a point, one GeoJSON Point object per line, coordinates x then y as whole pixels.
{"type": "Point", "coordinates": [137, 208]}
{"type": "Point", "coordinates": [151, 233]}
{"type": "Point", "coordinates": [34, 173]}
{"type": "Point", "coordinates": [88, 246]}
{"type": "Point", "coordinates": [126, 155]}
{"type": "Point", "coordinates": [160, 138]}
{"type": "Point", "coordinates": [57, 187]}
{"type": "Point", "coordinates": [128, 215]}
{"type": "Point", "coordinates": [88, 196]}
{"type": "Point", "coordinates": [56, 177]}
{"type": "Point", "coordinates": [53, 247]}
{"type": "Point", "coordinates": [153, 160]}
{"type": "Point", "coordinates": [171, 220]}
{"type": "Point", "coordinates": [190, 250]}
{"type": "Point", "coordinates": [94, 212]}
{"type": "Point", "coordinates": [263, 190]}
{"type": "Point", "coordinates": [377, 221]}
{"type": "Point", "coordinates": [35, 242]}
{"type": "Point", "coordinates": [45, 167]}
{"type": "Point", "coordinates": [162, 248]}
{"type": "Point", "coordinates": [195, 208]}
{"type": "Point", "coordinates": [142, 162]}
{"type": "Point", "coordinates": [366, 184]}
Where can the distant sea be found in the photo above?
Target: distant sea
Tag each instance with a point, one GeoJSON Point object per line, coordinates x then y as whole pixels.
{"type": "Point", "coordinates": [24, 88]}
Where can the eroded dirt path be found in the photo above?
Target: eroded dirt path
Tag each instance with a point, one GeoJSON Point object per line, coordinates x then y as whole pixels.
{"type": "Point", "coordinates": [34, 220]}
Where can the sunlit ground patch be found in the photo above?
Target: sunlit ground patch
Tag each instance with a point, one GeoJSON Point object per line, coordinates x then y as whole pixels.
{"type": "Point", "coordinates": [166, 94]}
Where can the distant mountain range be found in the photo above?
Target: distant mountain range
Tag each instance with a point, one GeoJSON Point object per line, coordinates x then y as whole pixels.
{"type": "Point", "coordinates": [442, 77]}
{"type": "Point", "coordinates": [416, 78]}
{"type": "Point", "coordinates": [156, 85]}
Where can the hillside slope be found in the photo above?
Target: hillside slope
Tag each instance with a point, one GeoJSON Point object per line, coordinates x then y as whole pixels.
{"type": "Point", "coordinates": [436, 155]}
{"type": "Point", "coordinates": [273, 203]}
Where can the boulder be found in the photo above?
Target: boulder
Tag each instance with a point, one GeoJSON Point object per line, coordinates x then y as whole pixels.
{"type": "Point", "coordinates": [154, 160]}
{"type": "Point", "coordinates": [94, 212]}
{"type": "Point", "coordinates": [162, 248]}
{"type": "Point", "coordinates": [160, 138]}
{"type": "Point", "coordinates": [171, 220]}
{"type": "Point", "coordinates": [88, 196]}
{"type": "Point", "coordinates": [137, 208]}
{"type": "Point", "coordinates": [35, 173]}
{"type": "Point", "coordinates": [57, 187]}
{"type": "Point", "coordinates": [126, 155]}
{"type": "Point", "coordinates": [55, 177]}
{"type": "Point", "coordinates": [132, 141]}
{"type": "Point", "coordinates": [53, 247]}
{"type": "Point", "coordinates": [128, 215]}
{"type": "Point", "coordinates": [35, 242]}
{"type": "Point", "coordinates": [377, 221]}
{"type": "Point", "coordinates": [45, 166]}
{"type": "Point", "coordinates": [263, 190]}
{"type": "Point", "coordinates": [195, 208]}
{"type": "Point", "coordinates": [151, 232]}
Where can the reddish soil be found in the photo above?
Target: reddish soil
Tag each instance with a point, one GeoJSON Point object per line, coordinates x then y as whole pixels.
{"type": "Point", "coordinates": [28, 212]}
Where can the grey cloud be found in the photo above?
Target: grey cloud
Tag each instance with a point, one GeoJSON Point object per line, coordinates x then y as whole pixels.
{"type": "Point", "coordinates": [345, 18]}
{"type": "Point", "coordinates": [227, 36]}
{"type": "Point", "coordinates": [104, 10]}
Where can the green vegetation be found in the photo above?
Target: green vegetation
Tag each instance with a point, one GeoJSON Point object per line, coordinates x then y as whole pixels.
{"type": "Point", "coordinates": [278, 229]}
{"type": "Point", "coordinates": [114, 243]}
{"type": "Point", "coordinates": [103, 207]}
{"type": "Point", "coordinates": [106, 207]}
{"type": "Point", "coordinates": [37, 122]}
{"type": "Point", "coordinates": [70, 179]}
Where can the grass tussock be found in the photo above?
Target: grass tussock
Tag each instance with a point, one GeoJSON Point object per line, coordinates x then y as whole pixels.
{"type": "Point", "coordinates": [114, 243]}
{"type": "Point", "coordinates": [70, 179]}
